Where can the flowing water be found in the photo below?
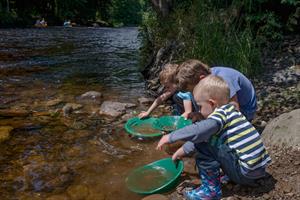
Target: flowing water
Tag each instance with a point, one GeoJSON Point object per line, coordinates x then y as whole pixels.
{"type": "Point", "coordinates": [81, 156]}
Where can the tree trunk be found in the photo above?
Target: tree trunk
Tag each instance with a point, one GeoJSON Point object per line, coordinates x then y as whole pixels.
{"type": "Point", "coordinates": [162, 6]}
{"type": "Point", "coordinates": [7, 6]}
{"type": "Point", "coordinates": [55, 8]}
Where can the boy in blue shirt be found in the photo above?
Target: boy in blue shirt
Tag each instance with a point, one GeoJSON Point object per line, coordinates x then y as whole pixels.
{"type": "Point", "coordinates": [184, 102]}
{"type": "Point", "coordinates": [225, 139]}
{"type": "Point", "coordinates": [242, 92]}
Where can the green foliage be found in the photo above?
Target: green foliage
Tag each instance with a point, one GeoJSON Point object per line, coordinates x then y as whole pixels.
{"type": "Point", "coordinates": [125, 12]}
{"type": "Point", "coordinates": [220, 32]}
{"type": "Point", "coordinates": [7, 18]}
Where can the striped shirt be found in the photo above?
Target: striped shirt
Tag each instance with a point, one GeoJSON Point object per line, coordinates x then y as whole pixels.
{"type": "Point", "coordinates": [241, 136]}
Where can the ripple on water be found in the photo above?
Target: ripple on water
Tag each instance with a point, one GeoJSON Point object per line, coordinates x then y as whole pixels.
{"type": "Point", "coordinates": [50, 156]}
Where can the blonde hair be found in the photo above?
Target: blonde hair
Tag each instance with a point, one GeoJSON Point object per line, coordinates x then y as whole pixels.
{"type": "Point", "coordinates": [213, 87]}
{"type": "Point", "coordinates": [168, 73]}
{"type": "Point", "coordinates": [189, 73]}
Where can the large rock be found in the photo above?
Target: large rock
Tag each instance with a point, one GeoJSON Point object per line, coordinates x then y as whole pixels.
{"type": "Point", "coordinates": [5, 132]}
{"type": "Point", "coordinates": [114, 109]}
{"type": "Point", "coordinates": [284, 130]}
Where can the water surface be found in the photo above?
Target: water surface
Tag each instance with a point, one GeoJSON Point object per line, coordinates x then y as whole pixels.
{"type": "Point", "coordinates": [81, 156]}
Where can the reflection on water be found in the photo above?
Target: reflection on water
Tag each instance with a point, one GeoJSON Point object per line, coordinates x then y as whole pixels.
{"type": "Point", "coordinates": [81, 156]}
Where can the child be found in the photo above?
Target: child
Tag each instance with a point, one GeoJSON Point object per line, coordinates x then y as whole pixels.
{"type": "Point", "coordinates": [225, 139]}
{"type": "Point", "coordinates": [184, 102]}
{"type": "Point", "coordinates": [242, 92]}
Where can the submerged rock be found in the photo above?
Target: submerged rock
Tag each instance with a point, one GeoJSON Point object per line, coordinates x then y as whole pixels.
{"type": "Point", "coordinates": [114, 109]}
{"type": "Point", "coordinates": [78, 192]}
{"type": "Point", "coordinates": [70, 107]}
{"type": "Point", "coordinates": [90, 97]}
{"type": "Point", "coordinates": [5, 133]}
{"type": "Point", "coordinates": [14, 113]}
{"type": "Point", "coordinates": [145, 100]}
{"type": "Point", "coordinates": [53, 102]}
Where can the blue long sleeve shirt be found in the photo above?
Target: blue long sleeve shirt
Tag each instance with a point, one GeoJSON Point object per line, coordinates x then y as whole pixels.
{"type": "Point", "coordinates": [197, 132]}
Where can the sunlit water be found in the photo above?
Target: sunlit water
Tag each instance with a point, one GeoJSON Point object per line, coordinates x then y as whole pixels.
{"type": "Point", "coordinates": [80, 156]}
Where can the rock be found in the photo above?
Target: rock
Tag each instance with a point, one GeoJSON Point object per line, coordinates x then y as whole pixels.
{"type": "Point", "coordinates": [90, 97]}
{"type": "Point", "coordinates": [155, 197]}
{"type": "Point", "coordinates": [53, 102]}
{"type": "Point", "coordinates": [14, 113]}
{"type": "Point", "coordinates": [284, 130]}
{"type": "Point", "coordinates": [41, 176]}
{"type": "Point", "coordinates": [70, 107]}
{"type": "Point", "coordinates": [145, 100]}
{"type": "Point", "coordinates": [5, 133]}
{"type": "Point", "coordinates": [266, 196]}
{"type": "Point", "coordinates": [114, 109]}
{"type": "Point", "coordinates": [78, 192]}
{"type": "Point", "coordinates": [263, 124]}
{"type": "Point", "coordinates": [127, 117]}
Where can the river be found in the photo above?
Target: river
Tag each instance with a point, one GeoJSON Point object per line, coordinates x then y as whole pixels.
{"type": "Point", "coordinates": [69, 157]}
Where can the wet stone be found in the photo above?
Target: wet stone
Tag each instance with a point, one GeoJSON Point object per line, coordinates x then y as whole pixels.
{"type": "Point", "coordinates": [5, 133]}
{"type": "Point", "coordinates": [91, 95]}
{"type": "Point", "coordinates": [78, 192]}
{"type": "Point", "coordinates": [14, 113]}
{"type": "Point", "coordinates": [145, 100]}
{"type": "Point", "coordinates": [114, 109]}
{"type": "Point", "coordinates": [70, 107]}
{"type": "Point", "coordinates": [53, 102]}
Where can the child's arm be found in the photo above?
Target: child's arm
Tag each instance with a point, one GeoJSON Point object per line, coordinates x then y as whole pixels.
{"type": "Point", "coordinates": [159, 100]}
{"type": "Point", "coordinates": [187, 104]}
{"type": "Point", "coordinates": [195, 133]}
{"type": "Point", "coordinates": [234, 101]}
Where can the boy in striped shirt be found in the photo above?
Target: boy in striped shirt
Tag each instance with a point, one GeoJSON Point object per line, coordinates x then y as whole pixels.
{"type": "Point", "coordinates": [225, 139]}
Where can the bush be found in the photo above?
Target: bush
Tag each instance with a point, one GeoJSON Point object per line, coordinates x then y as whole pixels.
{"type": "Point", "coordinates": [209, 33]}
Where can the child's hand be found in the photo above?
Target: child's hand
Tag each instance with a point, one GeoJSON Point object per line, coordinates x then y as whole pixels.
{"type": "Point", "coordinates": [162, 141]}
{"type": "Point", "coordinates": [185, 115]}
{"type": "Point", "coordinates": [178, 154]}
{"type": "Point", "coordinates": [143, 115]}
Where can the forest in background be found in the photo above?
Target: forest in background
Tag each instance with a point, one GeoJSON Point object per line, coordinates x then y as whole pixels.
{"type": "Point", "coordinates": [218, 32]}
{"type": "Point", "coordinates": [20, 13]}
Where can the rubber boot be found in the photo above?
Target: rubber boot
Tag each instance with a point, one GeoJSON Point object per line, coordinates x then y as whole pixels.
{"type": "Point", "coordinates": [210, 188]}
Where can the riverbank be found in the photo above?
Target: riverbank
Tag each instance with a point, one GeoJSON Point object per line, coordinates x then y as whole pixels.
{"type": "Point", "coordinates": [278, 91]}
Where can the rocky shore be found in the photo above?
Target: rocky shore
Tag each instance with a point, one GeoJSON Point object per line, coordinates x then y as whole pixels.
{"type": "Point", "coordinates": [278, 92]}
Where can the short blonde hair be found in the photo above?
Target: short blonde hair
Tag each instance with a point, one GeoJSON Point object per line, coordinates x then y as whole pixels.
{"type": "Point", "coordinates": [168, 73]}
{"type": "Point", "coordinates": [189, 73]}
{"type": "Point", "coordinates": [213, 87]}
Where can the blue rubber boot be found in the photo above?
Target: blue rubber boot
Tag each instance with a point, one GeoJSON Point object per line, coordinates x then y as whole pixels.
{"type": "Point", "coordinates": [210, 188]}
